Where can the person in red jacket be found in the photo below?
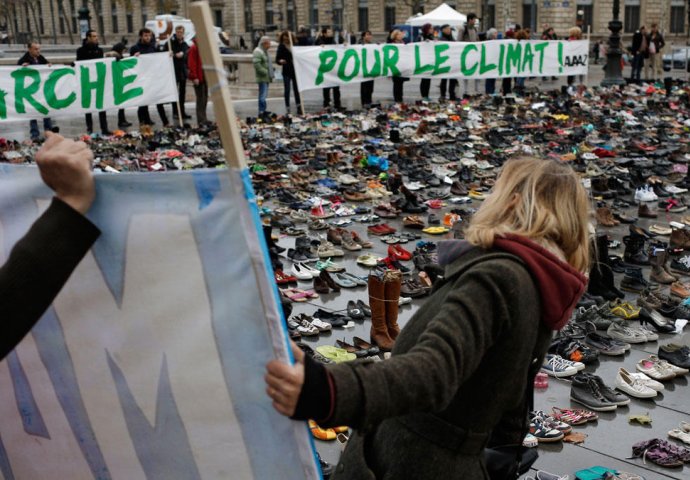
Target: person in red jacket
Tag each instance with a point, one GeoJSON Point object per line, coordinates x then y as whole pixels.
{"type": "Point", "coordinates": [196, 75]}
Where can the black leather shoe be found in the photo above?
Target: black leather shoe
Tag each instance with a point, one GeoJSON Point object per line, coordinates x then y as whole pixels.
{"type": "Point", "coordinates": [124, 124]}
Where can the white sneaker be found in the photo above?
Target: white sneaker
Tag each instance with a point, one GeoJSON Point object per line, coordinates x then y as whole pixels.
{"type": "Point", "coordinates": [645, 194]}
{"type": "Point", "coordinates": [675, 190]}
{"type": "Point", "coordinates": [300, 272]}
{"type": "Point", "coordinates": [655, 370]}
{"type": "Point", "coordinates": [653, 384]}
{"type": "Point", "coordinates": [670, 366]}
{"type": "Point", "coordinates": [556, 366]}
{"type": "Point", "coordinates": [633, 387]}
{"type": "Point", "coordinates": [625, 334]}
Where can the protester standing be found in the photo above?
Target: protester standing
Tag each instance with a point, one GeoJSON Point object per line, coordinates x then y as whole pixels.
{"type": "Point", "coordinates": [263, 68]}
{"type": "Point", "coordinates": [549, 34]}
{"type": "Point", "coordinates": [575, 33]}
{"type": "Point", "coordinates": [397, 36]}
{"type": "Point", "coordinates": [179, 52]}
{"type": "Point", "coordinates": [366, 89]}
{"type": "Point", "coordinates": [470, 34]}
{"type": "Point", "coordinates": [656, 43]}
{"type": "Point", "coordinates": [33, 57]}
{"type": "Point", "coordinates": [91, 51]}
{"type": "Point", "coordinates": [147, 45]}
{"type": "Point", "coordinates": [490, 83]}
{"type": "Point", "coordinates": [507, 82]}
{"type": "Point", "coordinates": [640, 51]}
{"type": "Point", "coordinates": [423, 413]}
{"type": "Point", "coordinates": [117, 52]}
{"type": "Point", "coordinates": [304, 38]}
{"type": "Point", "coordinates": [449, 84]}
{"type": "Point", "coordinates": [520, 81]}
{"type": "Point", "coordinates": [426, 35]}
{"type": "Point", "coordinates": [284, 58]}
{"type": "Point", "coordinates": [196, 75]}
{"type": "Point", "coordinates": [326, 38]}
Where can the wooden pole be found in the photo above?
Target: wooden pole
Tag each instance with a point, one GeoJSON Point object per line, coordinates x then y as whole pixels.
{"type": "Point", "coordinates": [179, 109]}
{"type": "Point", "coordinates": [292, 52]}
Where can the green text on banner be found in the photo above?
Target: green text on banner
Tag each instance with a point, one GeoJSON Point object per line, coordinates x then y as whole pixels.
{"type": "Point", "coordinates": [320, 67]}
{"type": "Point", "coordinates": [94, 85]}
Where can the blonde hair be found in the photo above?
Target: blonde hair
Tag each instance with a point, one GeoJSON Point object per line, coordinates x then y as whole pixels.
{"type": "Point", "coordinates": [575, 32]}
{"type": "Point", "coordinates": [541, 200]}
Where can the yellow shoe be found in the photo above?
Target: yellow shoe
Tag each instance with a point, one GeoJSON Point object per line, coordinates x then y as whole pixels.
{"type": "Point", "coordinates": [321, 433]}
{"type": "Point", "coordinates": [476, 195]}
{"type": "Point", "coordinates": [435, 230]}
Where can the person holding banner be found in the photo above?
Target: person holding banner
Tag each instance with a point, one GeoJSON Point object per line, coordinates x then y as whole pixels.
{"type": "Point", "coordinates": [284, 58]}
{"type": "Point", "coordinates": [426, 35]}
{"type": "Point", "coordinates": [366, 89]}
{"type": "Point", "coordinates": [447, 36]}
{"type": "Point", "coordinates": [117, 52]}
{"type": "Point", "coordinates": [91, 51]}
{"type": "Point", "coordinates": [146, 45]}
{"type": "Point", "coordinates": [33, 57]}
{"type": "Point", "coordinates": [397, 36]}
{"type": "Point", "coordinates": [41, 262]}
{"type": "Point", "coordinates": [196, 75]}
{"type": "Point", "coordinates": [263, 68]}
{"type": "Point", "coordinates": [483, 334]}
{"type": "Point", "coordinates": [326, 38]}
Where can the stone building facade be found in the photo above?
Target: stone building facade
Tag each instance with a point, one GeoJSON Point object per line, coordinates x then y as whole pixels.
{"type": "Point", "coordinates": [55, 19]}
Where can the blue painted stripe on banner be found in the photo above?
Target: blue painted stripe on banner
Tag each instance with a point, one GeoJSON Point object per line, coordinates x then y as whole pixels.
{"type": "Point", "coordinates": [26, 403]}
{"type": "Point", "coordinates": [207, 187]}
{"type": "Point", "coordinates": [5, 467]}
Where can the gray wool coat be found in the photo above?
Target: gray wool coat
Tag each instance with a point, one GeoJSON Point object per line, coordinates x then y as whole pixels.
{"type": "Point", "coordinates": [459, 368]}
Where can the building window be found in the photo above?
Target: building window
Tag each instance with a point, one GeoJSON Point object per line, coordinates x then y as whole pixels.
{"type": "Point", "coordinates": [218, 18]}
{"type": "Point", "coordinates": [113, 16]}
{"type": "Point", "coordinates": [527, 15]}
{"type": "Point", "coordinates": [314, 13]}
{"type": "Point", "coordinates": [62, 26]}
{"type": "Point", "coordinates": [248, 17]}
{"type": "Point", "coordinates": [28, 17]}
{"type": "Point", "coordinates": [291, 20]}
{"type": "Point", "coordinates": [587, 15]}
{"type": "Point", "coordinates": [144, 16]}
{"type": "Point", "coordinates": [161, 7]}
{"type": "Point", "coordinates": [363, 15]}
{"type": "Point", "coordinates": [73, 11]}
{"type": "Point", "coordinates": [129, 18]}
{"type": "Point", "coordinates": [389, 16]}
{"type": "Point", "coordinates": [269, 12]}
{"type": "Point", "coordinates": [101, 27]}
{"type": "Point", "coordinates": [337, 19]}
{"type": "Point", "coordinates": [41, 27]}
{"type": "Point", "coordinates": [489, 16]}
{"type": "Point", "coordinates": [677, 17]}
{"type": "Point", "coordinates": [632, 16]}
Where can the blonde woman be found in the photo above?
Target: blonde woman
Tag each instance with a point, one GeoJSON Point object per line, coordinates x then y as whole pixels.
{"type": "Point", "coordinates": [575, 33]}
{"type": "Point", "coordinates": [460, 369]}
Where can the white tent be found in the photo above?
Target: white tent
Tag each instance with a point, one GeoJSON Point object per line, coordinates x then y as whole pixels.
{"type": "Point", "coordinates": [439, 16]}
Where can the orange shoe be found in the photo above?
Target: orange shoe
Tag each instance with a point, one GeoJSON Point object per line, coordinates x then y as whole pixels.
{"type": "Point", "coordinates": [341, 429]}
{"type": "Point", "coordinates": [321, 433]}
{"type": "Point", "coordinates": [449, 219]}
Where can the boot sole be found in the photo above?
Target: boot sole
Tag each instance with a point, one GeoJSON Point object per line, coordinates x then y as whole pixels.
{"type": "Point", "coordinates": [596, 409]}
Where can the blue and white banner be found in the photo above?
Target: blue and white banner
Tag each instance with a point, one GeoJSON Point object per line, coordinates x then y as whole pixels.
{"type": "Point", "coordinates": [150, 363]}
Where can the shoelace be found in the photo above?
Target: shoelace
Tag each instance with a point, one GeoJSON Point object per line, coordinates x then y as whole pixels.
{"type": "Point", "coordinates": [596, 391]}
{"type": "Point", "coordinates": [559, 363]}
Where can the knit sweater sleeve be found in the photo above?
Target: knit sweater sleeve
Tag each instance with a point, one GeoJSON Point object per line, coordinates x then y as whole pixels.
{"type": "Point", "coordinates": [38, 266]}
{"type": "Point", "coordinates": [427, 377]}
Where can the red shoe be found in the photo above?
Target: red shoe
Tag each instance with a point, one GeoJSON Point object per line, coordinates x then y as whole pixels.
{"type": "Point", "coordinates": [281, 278]}
{"type": "Point", "coordinates": [399, 253]}
{"type": "Point", "coordinates": [387, 229]}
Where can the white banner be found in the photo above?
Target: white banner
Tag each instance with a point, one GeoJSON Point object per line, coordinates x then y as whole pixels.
{"type": "Point", "coordinates": [90, 86]}
{"type": "Point", "coordinates": [150, 363]}
{"type": "Point", "coordinates": [319, 67]}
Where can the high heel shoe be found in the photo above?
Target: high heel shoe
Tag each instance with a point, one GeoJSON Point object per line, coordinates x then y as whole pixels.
{"type": "Point", "coordinates": [656, 320]}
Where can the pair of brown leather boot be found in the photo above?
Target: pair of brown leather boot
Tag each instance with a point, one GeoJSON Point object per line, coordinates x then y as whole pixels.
{"type": "Point", "coordinates": [384, 292]}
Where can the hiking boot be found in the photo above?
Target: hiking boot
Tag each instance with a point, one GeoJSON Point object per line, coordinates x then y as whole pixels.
{"type": "Point", "coordinates": [633, 281]}
{"type": "Point", "coordinates": [643, 211]}
{"type": "Point", "coordinates": [680, 238]}
{"type": "Point", "coordinates": [585, 390]}
{"type": "Point", "coordinates": [659, 274]}
{"type": "Point", "coordinates": [605, 217]}
{"type": "Point", "coordinates": [634, 250]}
{"type": "Point", "coordinates": [600, 188]}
